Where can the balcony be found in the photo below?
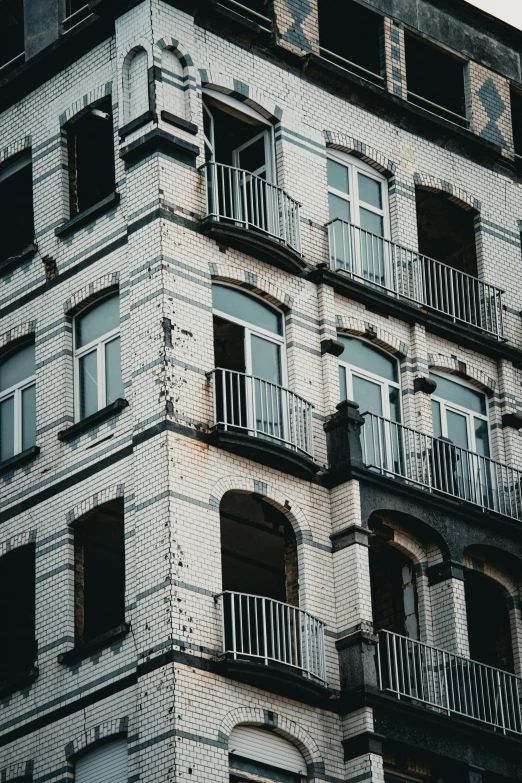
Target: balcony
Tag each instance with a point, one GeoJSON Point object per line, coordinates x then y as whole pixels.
{"type": "Point", "coordinates": [259, 630]}
{"type": "Point", "coordinates": [262, 421]}
{"type": "Point", "coordinates": [249, 213]}
{"type": "Point", "coordinates": [449, 683]}
{"type": "Point", "coordinates": [397, 271]}
{"type": "Point", "coordinates": [435, 464]}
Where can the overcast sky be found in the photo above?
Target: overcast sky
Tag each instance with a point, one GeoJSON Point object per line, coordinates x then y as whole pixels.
{"type": "Point", "coordinates": [508, 10]}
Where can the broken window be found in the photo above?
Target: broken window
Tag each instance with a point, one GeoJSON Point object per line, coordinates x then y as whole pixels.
{"type": "Point", "coordinates": [435, 80]}
{"type": "Point", "coordinates": [90, 148]}
{"type": "Point", "coordinates": [17, 606]}
{"type": "Point", "coordinates": [446, 231]}
{"type": "Point", "coordinates": [516, 118]}
{"type": "Point", "coordinates": [16, 215]}
{"type": "Point", "coordinates": [11, 33]}
{"type": "Point", "coordinates": [489, 627]}
{"type": "Point", "coordinates": [350, 35]}
{"type": "Point", "coordinates": [393, 588]}
{"type": "Point", "coordinates": [97, 358]}
{"type": "Point", "coordinates": [17, 402]}
{"type": "Point", "coordinates": [99, 572]}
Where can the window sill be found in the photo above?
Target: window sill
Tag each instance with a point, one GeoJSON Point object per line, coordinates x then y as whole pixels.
{"type": "Point", "coordinates": [13, 261]}
{"type": "Point", "coordinates": [82, 651]}
{"type": "Point", "coordinates": [91, 421]}
{"type": "Point", "coordinates": [19, 459]}
{"type": "Point", "coordinates": [133, 125]}
{"type": "Point", "coordinates": [158, 140]}
{"type": "Point", "coordinates": [88, 215]}
{"type": "Point", "coordinates": [179, 122]}
{"type": "Point", "coordinates": [18, 681]}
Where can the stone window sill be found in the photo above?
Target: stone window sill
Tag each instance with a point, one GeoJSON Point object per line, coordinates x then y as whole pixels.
{"type": "Point", "coordinates": [7, 264]}
{"type": "Point", "coordinates": [93, 420]}
{"type": "Point", "coordinates": [82, 651]}
{"type": "Point", "coordinates": [19, 459]}
{"type": "Point", "coordinates": [88, 215]}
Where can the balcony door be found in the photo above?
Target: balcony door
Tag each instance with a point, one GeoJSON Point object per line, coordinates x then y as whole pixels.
{"type": "Point", "coordinates": [358, 205]}
{"type": "Point", "coordinates": [250, 363]}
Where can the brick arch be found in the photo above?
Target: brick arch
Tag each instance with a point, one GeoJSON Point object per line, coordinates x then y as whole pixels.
{"type": "Point", "coordinates": [254, 283]}
{"type": "Point", "coordinates": [138, 46]}
{"type": "Point", "coordinates": [95, 735]}
{"type": "Point", "coordinates": [439, 361]}
{"type": "Point", "coordinates": [90, 292]}
{"type": "Point", "coordinates": [371, 156]}
{"type": "Point", "coordinates": [247, 94]}
{"type": "Point", "coordinates": [378, 336]}
{"type": "Point", "coordinates": [82, 104]}
{"type": "Point", "coordinates": [280, 724]}
{"type": "Point", "coordinates": [17, 334]}
{"type": "Point", "coordinates": [21, 539]}
{"type": "Point", "coordinates": [20, 769]}
{"type": "Point", "coordinates": [455, 193]}
{"type": "Point", "coordinates": [15, 148]}
{"type": "Point", "coordinates": [190, 72]}
{"type": "Point", "coordinates": [271, 494]}
{"type": "Point", "coordinates": [92, 502]}
{"type": "Point", "coordinates": [509, 586]}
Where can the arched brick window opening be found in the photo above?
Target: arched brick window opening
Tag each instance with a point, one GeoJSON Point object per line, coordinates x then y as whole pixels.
{"type": "Point", "coordinates": [446, 233]}
{"type": "Point", "coordinates": [489, 629]}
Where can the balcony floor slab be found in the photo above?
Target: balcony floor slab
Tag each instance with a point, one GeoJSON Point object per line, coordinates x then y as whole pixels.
{"type": "Point", "coordinates": [275, 678]}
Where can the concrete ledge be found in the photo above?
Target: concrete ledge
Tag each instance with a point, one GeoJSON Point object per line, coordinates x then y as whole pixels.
{"type": "Point", "coordinates": [18, 682]}
{"type": "Point", "coordinates": [19, 459]}
{"type": "Point", "coordinates": [159, 141]}
{"type": "Point", "coordinates": [88, 215]}
{"type": "Point", "coordinates": [133, 125]}
{"type": "Point", "coordinates": [179, 122]}
{"type": "Point", "coordinates": [7, 264]}
{"type": "Point", "coordinates": [82, 651]}
{"type": "Point", "coordinates": [91, 421]}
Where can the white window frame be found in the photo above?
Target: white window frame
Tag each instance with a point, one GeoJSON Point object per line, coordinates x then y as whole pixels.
{"type": "Point", "coordinates": [356, 166]}
{"type": "Point", "coordinates": [469, 414]}
{"type": "Point", "coordinates": [16, 392]}
{"type": "Point", "coordinates": [98, 345]}
{"type": "Point", "coordinates": [384, 383]}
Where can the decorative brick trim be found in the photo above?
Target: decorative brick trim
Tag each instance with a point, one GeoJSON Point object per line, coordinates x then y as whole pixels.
{"type": "Point", "coordinates": [180, 51]}
{"type": "Point", "coordinates": [376, 334]}
{"type": "Point", "coordinates": [16, 333]}
{"type": "Point", "coordinates": [251, 96]}
{"type": "Point", "coordinates": [371, 156]}
{"type": "Point", "coordinates": [21, 539]}
{"type": "Point", "coordinates": [21, 769]}
{"type": "Point", "coordinates": [95, 735]}
{"type": "Point", "coordinates": [456, 194]}
{"type": "Point", "coordinates": [90, 292]}
{"type": "Point", "coordinates": [439, 361]}
{"type": "Point", "coordinates": [287, 728]}
{"type": "Point", "coordinates": [508, 585]}
{"type": "Point", "coordinates": [252, 282]}
{"type": "Point", "coordinates": [86, 101]}
{"type": "Point", "coordinates": [15, 148]}
{"type": "Point", "coordinates": [99, 499]}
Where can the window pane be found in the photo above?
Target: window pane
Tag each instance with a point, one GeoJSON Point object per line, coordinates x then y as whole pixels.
{"type": "Point", "coordinates": [338, 208]}
{"type": "Point", "coordinates": [246, 308]}
{"type": "Point", "coordinates": [113, 381]}
{"type": "Point", "coordinates": [98, 321]}
{"type": "Point", "coordinates": [370, 191]}
{"type": "Point", "coordinates": [17, 367]}
{"type": "Point", "coordinates": [365, 356]}
{"type": "Point", "coordinates": [342, 383]}
{"type": "Point", "coordinates": [337, 176]}
{"type": "Point", "coordinates": [461, 395]}
{"type": "Point", "coordinates": [457, 429]}
{"type": "Point", "coordinates": [372, 222]}
{"type": "Point", "coordinates": [481, 437]}
{"type": "Point", "coordinates": [368, 395]}
{"type": "Point", "coordinates": [88, 384]}
{"type": "Point", "coordinates": [7, 428]}
{"type": "Point", "coordinates": [28, 417]}
{"type": "Point", "coordinates": [266, 359]}
{"type": "Point", "coordinates": [437, 422]}
{"type": "Point", "coordinates": [395, 403]}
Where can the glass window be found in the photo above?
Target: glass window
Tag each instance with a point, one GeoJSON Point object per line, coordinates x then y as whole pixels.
{"type": "Point", "coordinates": [357, 195]}
{"type": "Point", "coordinates": [460, 414]}
{"type": "Point", "coordinates": [338, 178]}
{"type": "Point", "coordinates": [460, 395]}
{"type": "Point", "coordinates": [17, 402]}
{"type": "Point", "coordinates": [97, 357]}
{"type": "Point", "coordinates": [246, 308]}
{"type": "Point", "coordinates": [369, 377]}
{"type": "Point", "coordinates": [366, 357]}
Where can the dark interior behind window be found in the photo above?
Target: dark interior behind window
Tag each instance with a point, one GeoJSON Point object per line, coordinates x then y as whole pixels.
{"type": "Point", "coordinates": [17, 601]}
{"type": "Point", "coordinates": [437, 77]}
{"type": "Point", "coordinates": [352, 33]}
{"type": "Point", "coordinates": [516, 116]}
{"type": "Point", "coordinates": [16, 214]}
{"type": "Point", "coordinates": [11, 30]}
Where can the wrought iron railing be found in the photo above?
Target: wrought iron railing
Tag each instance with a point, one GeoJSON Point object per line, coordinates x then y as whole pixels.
{"type": "Point", "coordinates": [250, 10]}
{"type": "Point", "coordinates": [438, 465]}
{"type": "Point", "coordinates": [351, 67]}
{"type": "Point", "coordinates": [236, 196]}
{"type": "Point", "coordinates": [245, 403]}
{"type": "Point", "coordinates": [406, 273]}
{"type": "Point", "coordinates": [438, 110]}
{"type": "Point", "coordinates": [267, 631]}
{"type": "Point", "coordinates": [450, 682]}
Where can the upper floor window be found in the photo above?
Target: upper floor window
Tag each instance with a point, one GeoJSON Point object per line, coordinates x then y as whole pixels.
{"type": "Point", "coordinates": [75, 12]}
{"type": "Point", "coordinates": [17, 402]}
{"type": "Point", "coordinates": [17, 599]}
{"type": "Point", "coordinates": [11, 32]}
{"type": "Point", "coordinates": [435, 80]}
{"type": "Point", "coordinates": [370, 377]}
{"type": "Point", "coordinates": [90, 149]}
{"type": "Point", "coordinates": [106, 763]}
{"type": "Point", "coordinates": [516, 119]}
{"type": "Point", "coordinates": [16, 215]}
{"type": "Point", "coordinates": [350, 35]}
{"type": "Point", "coordinates": [460, 413]}
{"type": "Point", "coordinates": [97, 360]}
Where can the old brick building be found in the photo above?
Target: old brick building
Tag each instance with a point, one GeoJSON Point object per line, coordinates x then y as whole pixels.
{"type": "Point", "coordinates": [260, 392]}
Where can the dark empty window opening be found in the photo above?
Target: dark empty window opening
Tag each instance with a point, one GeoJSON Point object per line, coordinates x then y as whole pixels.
{"type": "Point", "coordinates": [99, 554]}
{"type": "Point", "coordinates": [489, 628]}
{"type": "Point", "coordinates": [16, 215]}
{"type": "Point", "coordinates": [17, 604]}
{"type": "Point", "coordinates": [393, 590]}
{"type": "Point", "coordinates": [11, 32]}
{"type": "Point", "coordinates": [75, 12]}
{"type": "Point", "coordinates": [90, 146]}
{"type": "Point", "coordinates": [435, 80]}
{"type": "Point", "coordinates": [446, 231]}
{"type": "Point", "coordinates": [351, 36]}
{"type": "Point", "coordinates": [516, 117]}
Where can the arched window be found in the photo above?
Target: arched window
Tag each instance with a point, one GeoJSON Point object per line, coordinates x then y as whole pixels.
{"type": "Point", "coordinates": [258, 754]}
{"type": "Point", "coordinates": [489, 627]}
{"type": "Point", "coordinates": [108, 763]}
{"type": "Point", "coordinates": [98, 380]}
{"type": "Point", "coordinates": [370, 377]}
{"type": "Point", "coordinates": [460, 413]}
{"type": "Point", "coordinates": [17, 402]}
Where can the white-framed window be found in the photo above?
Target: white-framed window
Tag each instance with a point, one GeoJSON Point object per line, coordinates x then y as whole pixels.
{"type": "Point", "coordinates": [17, 402]}
{"type": "Point", "coordinates": [370, 377]}
{"type": "Point", "coordinates": [97, 359]}
{"type": "Point", "coordinates": [460, 413]}
{"type": "Point", "coordinates": [357, 194]}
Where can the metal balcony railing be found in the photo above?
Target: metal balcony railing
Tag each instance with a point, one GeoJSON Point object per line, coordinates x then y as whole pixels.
{"type": "Point", "coordinates": [270, 631]}
{"type": "Point", "coordinates": [437, 465]}
{"type": "Point", "coordinates": [450, 682]}
{"type": "Point", "coordinates": [406, 273]}
{"type": "Point", "coordinates": [249, 10]}
{"type": "Point", "coordinates": [244, 199]}
{"type": "Point", "coordinates": [245, 403]}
